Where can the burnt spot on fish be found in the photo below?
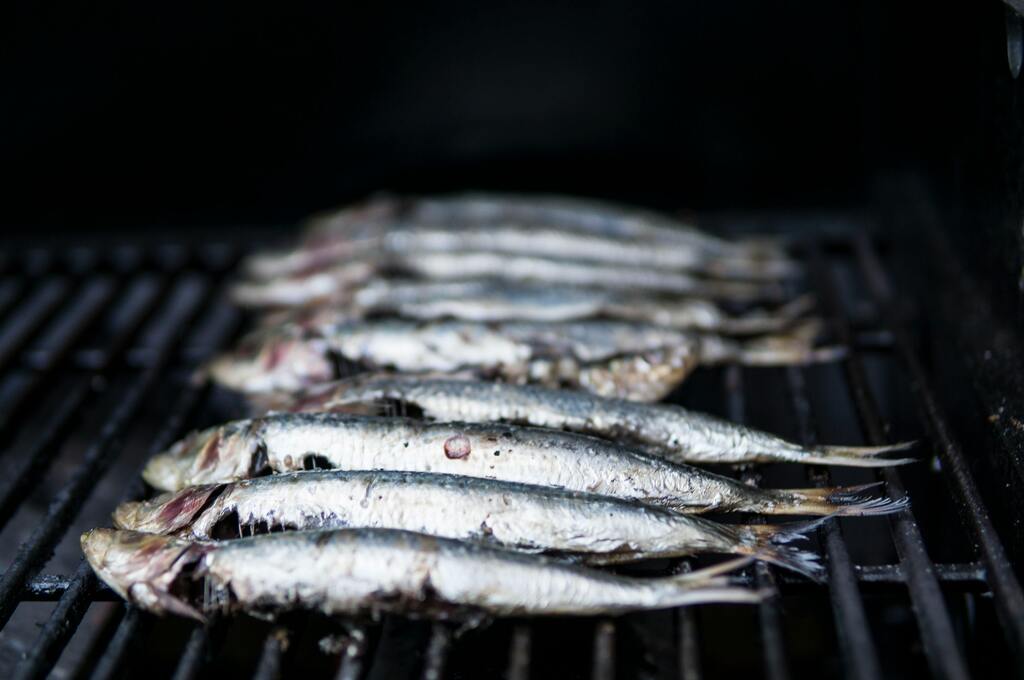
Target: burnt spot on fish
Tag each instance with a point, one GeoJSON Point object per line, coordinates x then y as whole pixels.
{"type": "Point", "coordinates": [457, 447]}
{"type": "Point", "coordinates": [312, 461]}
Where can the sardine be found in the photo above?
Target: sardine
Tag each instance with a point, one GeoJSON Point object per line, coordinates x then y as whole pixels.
{"type": "Point", "coordinates": [485, 300]}
{"type": "Point", "coordinates": [339, 280]}
{"type": "Point", "coordinates": [292, 442]}
{"type": "Point", "coordinates": [375, 571]}
{"type": "Point", "coordinates": [517, 239]}
{"type": "Point", "coordinates": [641, 362]}
{"type": "Point", "coordinates": [514, 516]}
{"type": "Point", "coordinates": [586, 216]}
{"type": "Point", "coordinates": [665, 430]}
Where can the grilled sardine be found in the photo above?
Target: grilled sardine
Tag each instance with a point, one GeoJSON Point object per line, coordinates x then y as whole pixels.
{"type": "Point", "coordinates": [369, 572]}
{"type": "Point", "coordinates": [291, 442]}
{"type": "Point", "coordinates": [640, 362]}
{"type": "Point", "coordinates": [487, 300]}
{"type": "Point", "coordinates": [527, 518]}
{"type": "Point", "coordinates": [666, 430]}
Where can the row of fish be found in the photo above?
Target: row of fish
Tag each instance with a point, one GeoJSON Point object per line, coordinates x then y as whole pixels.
{"type": "Point", "coordinates": [507, 492]}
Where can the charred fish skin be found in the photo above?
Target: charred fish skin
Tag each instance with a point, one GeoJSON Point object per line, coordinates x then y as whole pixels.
{"type": "Point", "coordinates": [665, 430]}
{"type": "Point", "coordinates": [514, 516]}
{"type": "Point", "coordinates": [288, 443]}
{"type": "Point", "coordinates": [368, 572]}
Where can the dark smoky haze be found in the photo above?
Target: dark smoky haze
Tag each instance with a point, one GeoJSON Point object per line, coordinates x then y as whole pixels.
{"type": "Point", "coordinates": [139, 116]}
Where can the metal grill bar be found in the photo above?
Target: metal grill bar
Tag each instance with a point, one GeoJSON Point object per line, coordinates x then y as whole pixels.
{"type": "Point", "coordinates": [970, 575]}
{"type": "Point", "coordinates": [437, 651]}
{"type": "Point", "coordinates": [60, 627]}
{"type": "Point", "coordinates": [194, 655]}
{"type": "Point", "coordinates": [83, 312]}
{"type": "Point", "coordinates": [937, 634]}
{"type": "Point", "coordinates": [604, 650]}
{"type": "Point", "coordinates": [689, 647]}
{"type": "Point", "coordinates": [10, 293]}
{"type": "Point", "coordinates": [776, 665]}
{"type": "Point", "coordinates": [110, 663]}
{"type": "Point", "coordinates": [857, 649]}
{"type": "Point", "coordinates": [519, 653]}
{"type": "Point", "coordinates": [63, 508]}
{"type": "Point", "coordinates": [29, 319]}
{"type": "Point", "coordinates": [37, 459]}
{"type": "Point", "coordinates": [269, 667]}
{"type": "Point", "coordinates": [1009, 599]}
{"type": "Point", "coordinates": [353, 656]}
{"type": "Point", "coordinates": [48, 646]}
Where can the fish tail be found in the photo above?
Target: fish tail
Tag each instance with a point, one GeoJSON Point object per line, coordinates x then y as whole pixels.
{"type": "Point", "coordinates": [720, 594]}
{"type": "Point", "coordinates": [795, 347]}
{"type": "Point", "coordinates": [709, 585]}
{"type": "Point", "coordinates": [771, 543]}
{"type": "Point", "coordinates": [836, 500]}
{"type": "Point", "coordinates": [774, 321]}
{"type": "Point", "coordinates": [754, 267]}
{"type": "Point", "coordinates": [857, 456]}
{"type": "Point", "coordinates": [739, 291]}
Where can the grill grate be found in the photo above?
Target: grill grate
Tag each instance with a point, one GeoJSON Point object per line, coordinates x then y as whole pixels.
{"type": "Point", "coordinates": [85, 327]}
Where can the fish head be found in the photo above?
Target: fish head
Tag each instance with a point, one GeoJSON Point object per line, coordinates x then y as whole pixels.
{"type": "Point", "coordinates": [218, 454]}
{"type": "Point", "coordinates": [271, 361]}
{"type": "Point", "coordinates": [144, 568]}
{"type": "Point", "coordinates": [168, 512]}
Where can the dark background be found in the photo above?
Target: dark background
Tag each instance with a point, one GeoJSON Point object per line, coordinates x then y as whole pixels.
{"type": "Point", "coordinates": [130, 115]}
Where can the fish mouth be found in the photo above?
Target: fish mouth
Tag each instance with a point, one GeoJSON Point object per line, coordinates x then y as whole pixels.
{"type": "Point", "coordinates": [172, 469]}
{"type": "Point", "coordinates": [216, 455]}
{"type": "Point", "coordinates": [145, 569]}
{"type": "Point", "coordinates": [288, 363]}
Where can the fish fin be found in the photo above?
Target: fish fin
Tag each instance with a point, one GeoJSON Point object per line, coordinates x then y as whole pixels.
{"type": "Point", "coordinates": [712, 573]}
{"type": "Point", "coordinates": [710, 585]}
{"type": "Point", "coordinates": [771, 543]}
{"type": "Point", "coordinates": [858, 456]}
{"type": "Point", "coordinates": [836, 500]}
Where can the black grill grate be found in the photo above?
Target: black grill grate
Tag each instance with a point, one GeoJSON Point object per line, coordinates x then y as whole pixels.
{"type": "Point", "coordinates": [109, 337]}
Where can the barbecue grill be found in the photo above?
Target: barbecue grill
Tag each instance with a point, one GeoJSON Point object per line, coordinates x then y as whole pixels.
{"type": "Point", "coordinates": [97, 346]}
{"type": "Point", "coordinates": [895, 151]}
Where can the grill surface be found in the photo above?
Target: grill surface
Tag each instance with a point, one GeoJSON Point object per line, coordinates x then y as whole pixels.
{"type": "Point", "coordinates": [96, 350]}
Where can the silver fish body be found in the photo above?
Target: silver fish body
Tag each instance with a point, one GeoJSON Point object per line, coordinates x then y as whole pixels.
{"type": "Point", "coordinates": [368, 572]}
{"type": "Point", "coordinates": [515, 516]}
{"type": "Point", "coordinates": [666, 430]}
{"type": "Point", "coordinates": [291, 442]}
{"type": "Point", "coordinates": [584, 216]}
{"type": "Point", "coordinates": [635, 361]}
{"type": "Point", "coordinates": [518, 239]}
{"type": "Point", "coordinates": [341, 279]}
{"type": "Point", "coordinates": [488, 300]}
